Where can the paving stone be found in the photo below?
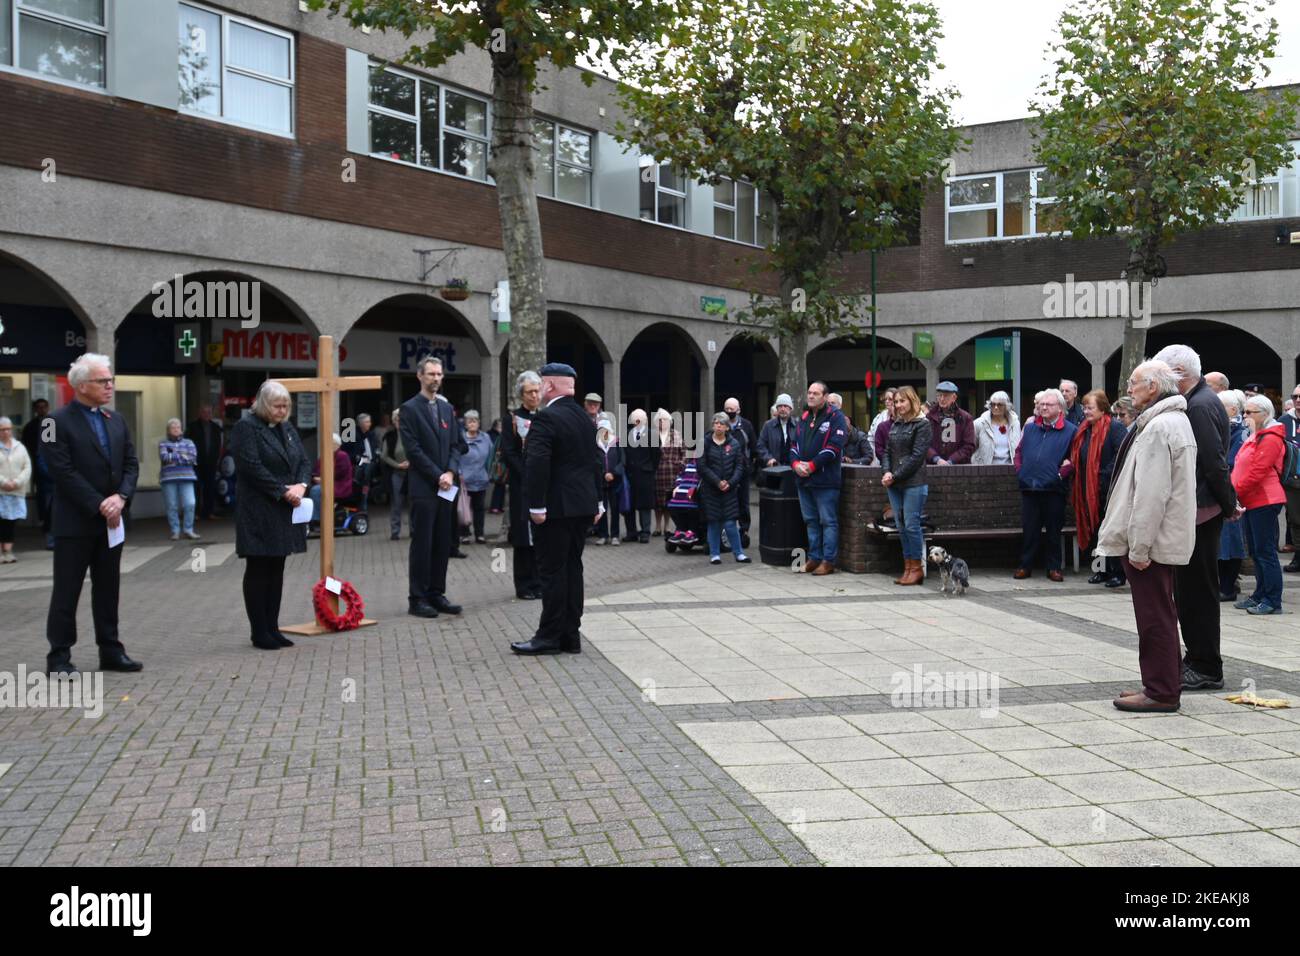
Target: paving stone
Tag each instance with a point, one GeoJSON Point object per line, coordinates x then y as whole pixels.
{"type": "Point", "coordinates": [1253, 849]}
{"type": "Point", "coordinates": [956, 832]}
{"type": "Point", "coordinates": [1062, 826]}
{"type": "Point", "coordinates": [855, 842]}
{"type": "Point", "coordinates": [1022, 856]}
{"type": "Point", "coordinates": [811, 728]}
{"type": "Point", "coordinates": [1205, 779]}
{"type": "Point", "coordinates": [918, 800]}
{"type": "Point", "coordinates": [1134, 853]}
{"type": "Point", "coordinates": [1059, 760]}
{"type": "Point", "coordinates": [812, 806]}
{"type": "Point", "coordinates": [1284, 774]}
{"type": "Point", "coordinates": [779, 777]}
{"type": "Point", "coordinates": [1114, 786]}
{"type": "Point", "coordinates": [1023, 793]}
{"type": "Point", "coordinates": [879, 773]}
{"type": "Point", "coordinates": [1269, 809]}
{"type": "Point", "coordinates": [1182, 816]}
{"type": "Point", "coordinates": [961, 767]}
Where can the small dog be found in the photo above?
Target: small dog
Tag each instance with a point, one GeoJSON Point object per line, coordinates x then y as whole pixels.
{"type": "Point", "coordinates": [955, 571]}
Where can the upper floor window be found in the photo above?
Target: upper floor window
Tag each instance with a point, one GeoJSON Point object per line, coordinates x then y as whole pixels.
{"type": "Point", "coordinates": [61, 39]}
{"type": "Point", "coordinates": [564, 166]}
{"type": "Point", "coordinates": [999, 206]}
{"type": "Point", "coordinates": [236, 70]}
{"type": "Point", "coordinates": [743, 213]}
{"type": "Point", "coordinates": [414, 120]}
{"type": "Point", "coordinates": [663, 193]}
{"type": "Point", "coordinates": [1272, 196]}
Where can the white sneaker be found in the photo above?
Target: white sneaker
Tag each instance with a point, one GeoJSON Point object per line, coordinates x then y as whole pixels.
{"type": "Point", "coordinates": [192, 535]}
{"type": "Point", "coordinates": [612, 542]}
{"type": "Point", "coordinates": [176, 536]}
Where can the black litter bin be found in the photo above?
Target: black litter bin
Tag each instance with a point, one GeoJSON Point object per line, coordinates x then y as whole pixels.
{"type": "Point", "coordinates": [780, 522]}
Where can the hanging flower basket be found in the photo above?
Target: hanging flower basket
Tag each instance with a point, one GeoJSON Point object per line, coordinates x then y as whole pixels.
{"type": "Point", "coordinates": [455, 290]}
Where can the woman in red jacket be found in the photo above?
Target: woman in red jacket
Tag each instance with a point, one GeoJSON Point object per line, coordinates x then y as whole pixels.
{"type": "Point", "coordinates": [1257, 478]}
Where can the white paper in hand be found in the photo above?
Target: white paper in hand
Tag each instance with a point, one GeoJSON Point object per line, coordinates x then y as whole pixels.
{"type": "Point", "coordinates": [116, 535]}
{"type": "Point", "coordinates": [449, 494]}
{"type": "Point", "coordinates": [302, 513]}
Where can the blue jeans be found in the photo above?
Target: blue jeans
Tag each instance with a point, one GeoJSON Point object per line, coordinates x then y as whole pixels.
{"type": "Point", "coordinates": [1261, 537]}
{"type": "Point", "coordinates": [820, 508]}
{"type": "Point", "coordinates": [908, 503]}
{"type": "Point", "coordinates": [179, 496]}
{"type": "Point", "coordinates": [733, 538]}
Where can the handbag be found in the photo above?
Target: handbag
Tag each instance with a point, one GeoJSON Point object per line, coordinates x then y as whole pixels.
{"type": "Point", "coordinates": [625, 496]}
{"type": "Point", "coordinates": [464, 510]}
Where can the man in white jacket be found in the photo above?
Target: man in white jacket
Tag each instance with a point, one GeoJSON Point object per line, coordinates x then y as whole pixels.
{"type": "Point", "coordinates": [1150, 524]}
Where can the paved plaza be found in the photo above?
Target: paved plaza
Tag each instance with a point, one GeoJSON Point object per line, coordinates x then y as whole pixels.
{"type": "Point", "coordinates": [738, 715]}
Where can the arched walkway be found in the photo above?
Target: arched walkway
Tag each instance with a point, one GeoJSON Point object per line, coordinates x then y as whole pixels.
{"type": "Point", "coordinates": [43, 331]}
{"type": "Point", "coordinates": [746, 370]}
{"type": "Point", "coordinates": [843, 364]}
{"type": "Point", "coordinates": [662, 369]}
{"type": "Point", "coordinates": [1243, 357]}
{"type": "Point", "coordinates": [982, 365]}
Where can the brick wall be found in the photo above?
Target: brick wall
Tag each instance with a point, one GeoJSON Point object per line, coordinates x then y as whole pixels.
{"type": "Point", "coordinates": [115, 140]}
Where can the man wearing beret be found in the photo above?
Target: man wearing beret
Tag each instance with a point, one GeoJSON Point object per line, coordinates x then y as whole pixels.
{"type": "Point", "coordinates": [563, 488]}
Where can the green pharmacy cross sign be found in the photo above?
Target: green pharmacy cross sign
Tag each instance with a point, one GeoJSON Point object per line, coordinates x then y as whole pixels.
{"type": "Point", "coordinates": [186, 342]}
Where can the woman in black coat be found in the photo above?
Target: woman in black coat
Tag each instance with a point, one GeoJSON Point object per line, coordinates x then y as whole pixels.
{"type": "Point", "coordinates": [640, 459]}
{"type": "Point", "coordinates": [274, 474]}
{"type": "Point", "coordinates": [613, 472]}
{"type": "Point", "coordinates": [721, 465]}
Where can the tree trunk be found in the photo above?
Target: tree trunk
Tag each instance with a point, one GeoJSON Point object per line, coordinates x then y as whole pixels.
{"type": "Point", "coordinates": [1135, 328]}
{"type": "Point", "coordinates": [511, 165]}
{"type": "Point", "coordinates": [792, 361]}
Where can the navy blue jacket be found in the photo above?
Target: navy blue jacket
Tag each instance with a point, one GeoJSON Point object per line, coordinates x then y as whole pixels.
{"type": "Point", "coordinates": [820, 439]}
{"type": "Point", "coordinates": [1040, 453]}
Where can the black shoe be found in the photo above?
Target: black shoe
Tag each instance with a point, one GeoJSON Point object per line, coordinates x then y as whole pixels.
{"type": "Point", "coordinates": [1293, 567]}
{"type": "Point", "coordinates": [643, 537]}
{"type": "Point", "coordinates": [527, 595]}
{"type": "Point", "coordinates": [533, 647]}
{"type": "Point", "coordinates": [630, 539]}
{"type": "Point", "coordinates": [458, 554]}
{"type": "Point", "coordinates": [281, 639]}
{"type": "Point", "coordinates": [1116, 582]}
{"type": "Point", "coordinates": [66, 669]}
{"type": "Point", "coordinates": [536, 594]}
{"type": "Point", "coordinates": [442, 604]}
{"type": "Point", "coordinates": [1195, 680]}
{"type": "Point", "coordinates": [120, 663]}
{"type": "Point", "coordinates": [265, 642]}
{"type": "Point", "coordinates": [572, 645]}
{"type": "Point", "coordinates": [1229, 598]}
{"type": "Point", "coordinates": [1097, 578]}
{"type": "Point", "coordinates": [422, 609]}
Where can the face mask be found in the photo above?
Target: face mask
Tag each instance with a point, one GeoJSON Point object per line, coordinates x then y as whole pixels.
{"type": "Point", "coordinates": [732, 415]}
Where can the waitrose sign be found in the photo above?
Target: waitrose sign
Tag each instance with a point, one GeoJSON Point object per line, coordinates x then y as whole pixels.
{"type": "Point", "coordinates": [272, 346]}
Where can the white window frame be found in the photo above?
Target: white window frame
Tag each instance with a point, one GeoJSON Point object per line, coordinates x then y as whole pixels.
{"type": "Point", "coordinates": [291, 83]}
{"type": "Point", "coordinates": [1034, 202]}
{"type": "Point", "coordinates": [556, 162]}
{"type": "Point", "coordinates": [17, 9]}
{"type": "Point", "coordinates": [735, 222]}
{"type": "Point", "coordinates": [686, 207]}
{"type": "Point", "coordinates": [1276, 177]}
{"type": "Point", "coordinates": [443, 89]}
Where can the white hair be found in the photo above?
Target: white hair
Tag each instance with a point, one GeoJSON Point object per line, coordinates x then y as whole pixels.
{"type": "Point", "coordinates": [1230, 397]}
{"type": "Point", "coordinates": [1158, 371]}
{"type": "Point", "coordinates": [1069, 381]}
{"type": "Point", "coordinates": [270, 391]}
{"type": "Point", "coordinates": [1265, 404]}
{"type": "Point", "coordinates": [472, 413]}
{"type": "Point", "coordinates": [79, 371]}
{"type": "Point", "coordinates": [176, 422]}
{"type": "Point", "coordinates": [1180, 358]}
{"type": "Point", "coordinates": [638, 415]}
{"type": "Point", "coordinates": [526, 378]}
{"type": "Point", "coordinates": [1050, 393]}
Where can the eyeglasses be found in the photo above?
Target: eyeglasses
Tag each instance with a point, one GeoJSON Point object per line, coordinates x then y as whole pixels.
{"type": "Point", "coordinates": [101, 381]}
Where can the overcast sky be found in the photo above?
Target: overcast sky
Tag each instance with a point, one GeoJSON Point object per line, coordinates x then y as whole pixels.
{"type": "Point", "coordinates": [994, 52]}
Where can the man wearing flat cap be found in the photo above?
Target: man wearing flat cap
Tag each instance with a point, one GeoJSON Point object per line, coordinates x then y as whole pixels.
{"type": "Point", "coordinates": [593, 404]}
{"type": "Point", "coordinates": [951, 427]}
{"type": "Point", "coordinates": [563, 487]}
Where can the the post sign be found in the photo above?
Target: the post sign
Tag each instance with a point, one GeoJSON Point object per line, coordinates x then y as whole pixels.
{"type": "Point", "coordinates": [993, 359]}
{"type": "Point", "coordinates": [923, 345]}
{"type": "Point", "coordinates": [186, 347]}
{"type": "Point", "coordinates": [713, 304]}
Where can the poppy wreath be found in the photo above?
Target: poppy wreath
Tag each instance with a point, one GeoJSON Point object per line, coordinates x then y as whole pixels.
{"type": "Point", "coordinates": [325, 615]}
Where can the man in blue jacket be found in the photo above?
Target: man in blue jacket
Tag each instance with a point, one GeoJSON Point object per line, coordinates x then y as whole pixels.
{"type": "Point", "coordinates": [815, 456]}
{"type": "Point", "coordinates": [1043, 450]}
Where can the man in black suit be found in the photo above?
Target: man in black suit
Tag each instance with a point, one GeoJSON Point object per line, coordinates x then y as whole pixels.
{"type": "Point", "coordinates": [433, 441]}
{"type": "Point", "coordinates": [93, 467]}
{"type": "Point", "coordinates": [563, 484]}
{"type": "Point", "coordinates": [206, 435]}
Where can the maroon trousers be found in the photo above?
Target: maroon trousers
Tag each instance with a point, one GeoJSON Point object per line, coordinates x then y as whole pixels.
{"type": "Point", "coordinates": [1159, 653]}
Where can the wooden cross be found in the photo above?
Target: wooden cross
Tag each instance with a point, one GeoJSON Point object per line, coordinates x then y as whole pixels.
{"type": "Point", "coordinates": [326, 385]}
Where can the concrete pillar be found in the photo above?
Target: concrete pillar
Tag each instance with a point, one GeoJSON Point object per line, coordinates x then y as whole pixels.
{"type": "Point", "coordinates": [1288, 378]}
{"type": "Point", "coordinates": [613, 390]}
{"type": "Point", "coordinates": [708, 403]}
{"type": "Point", "coordinates": [1099, 375]}
{"type": "Point", "coordinates": [931, 380]}
{"type": "Point", "coordinates": [489, 389]}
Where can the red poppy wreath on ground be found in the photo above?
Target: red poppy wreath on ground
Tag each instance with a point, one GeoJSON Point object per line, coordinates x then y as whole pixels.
{"type": "Point", "coordinates": [326, 616]}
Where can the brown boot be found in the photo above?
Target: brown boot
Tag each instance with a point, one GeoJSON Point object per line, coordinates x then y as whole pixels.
{"type": "Point", "coordinates": [907, 566]}
{"type": "Point", "coordinates": [824, 568]}
{"type": "Point", "coordinates": [811, 565]}
{"type": "Point", "coordinates": [914, 573]}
